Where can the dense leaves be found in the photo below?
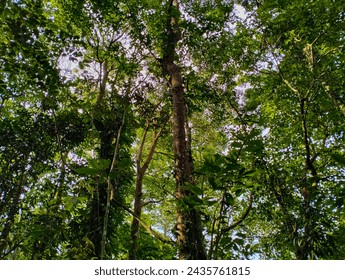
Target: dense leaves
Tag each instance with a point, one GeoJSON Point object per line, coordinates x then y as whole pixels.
{"type": "Point", "coordinates": [89, 167]}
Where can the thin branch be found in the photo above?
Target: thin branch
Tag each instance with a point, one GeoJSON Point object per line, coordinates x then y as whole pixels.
{"type": "Point", "coordinates": [166, 154]}
{"type": "Point", "coordinates": [2, 257]}
{"type": "Point", "coordinates": [289, 84]}
{"type": "Point", "coordinates": [141, 147]}
{"type": "Point", "coordinates": [150, 202]}
{"type": "Point", "coordinates": [243, 217]}
{"type": "Point", "coordinates": [111, 189]}
{"type": "Point", "coordinates": [145, 226]}
{"type": "Point", "coordinates": [153, 146]}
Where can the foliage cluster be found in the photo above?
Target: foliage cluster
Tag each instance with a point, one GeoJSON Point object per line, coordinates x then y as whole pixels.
{"type": "Point", "coordinates": [86, 143]}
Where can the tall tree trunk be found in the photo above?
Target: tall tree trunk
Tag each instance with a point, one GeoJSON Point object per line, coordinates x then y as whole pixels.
{"type": "Point", "coordinates": [189, 230]}
{"type": "Point", "coordinates": [133, 252]}
{"type": "Point", "coordinates": [309, 185]}
{"type": "Point", "coordinates": [132, 255]}
{"type": "Point", "coordinates": [138, 203]}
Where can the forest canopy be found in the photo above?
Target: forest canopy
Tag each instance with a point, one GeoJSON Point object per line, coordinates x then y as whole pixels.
{"type": "Point", "coordinates": [174, 129]}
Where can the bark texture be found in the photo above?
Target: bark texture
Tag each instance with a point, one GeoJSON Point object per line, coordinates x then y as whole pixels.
{"type": "Point", "coordinates": [189, 230]}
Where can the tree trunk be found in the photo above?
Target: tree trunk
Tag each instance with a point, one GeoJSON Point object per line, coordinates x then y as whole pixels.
{"type": "Point", "coordinates": [189, 231]}
{"type": "Point", "coordinates": [133, 252]}
{"type": "Point", "coordinates": [109, 128]}
{"type": "Point", "coordinates": [141, 170]}
{"type": "Point", "coordinates": [309, 185]}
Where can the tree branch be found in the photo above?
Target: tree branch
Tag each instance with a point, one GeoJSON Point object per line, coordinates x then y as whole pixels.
{"type": "Point", "coordinates": [145, 226]}
{"type": "Point", "coordinates": [243, 217]}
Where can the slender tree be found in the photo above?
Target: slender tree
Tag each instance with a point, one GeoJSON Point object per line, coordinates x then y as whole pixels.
{"type": "Point", "coordinates": [189, 229]}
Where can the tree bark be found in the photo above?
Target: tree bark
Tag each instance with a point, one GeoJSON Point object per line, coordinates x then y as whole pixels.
{"type": "Point", "coordinates": [141, 170]}
{"type": "Point", "coordinates": [189, 230]}
{"type": "Point", "coordinates": [108, 128]}
{"type": "Point", "coordinates": [305, 251]}
{"type": "Point", "coordinates": [137, 201]}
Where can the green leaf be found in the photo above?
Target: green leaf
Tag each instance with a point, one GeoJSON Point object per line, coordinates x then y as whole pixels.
{"type": "Point", "coordinates": [239, 241]}
{"type": "Point", "coordinates": [192, 188]}
{"type": "Point", "coordinates": [236, 144]}
{"type": "Point", "coordinates": [192, 200]}
{"type": "Point", "coordinates": [209, 202]}
{"type": "Point", "coordinates": [338, 158]}
{"type": "Point", "coordinates": [100, 164]}
{"type": "Point", "coordinates": [87, 171]}
{"type": "Point", "coordinates": [229, 199]}
{"type": "Point", "coordinates": [254, 146]}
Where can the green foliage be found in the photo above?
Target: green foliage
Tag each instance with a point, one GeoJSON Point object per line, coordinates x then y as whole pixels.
{"type": "Point", "coordinates": [80, 82]}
